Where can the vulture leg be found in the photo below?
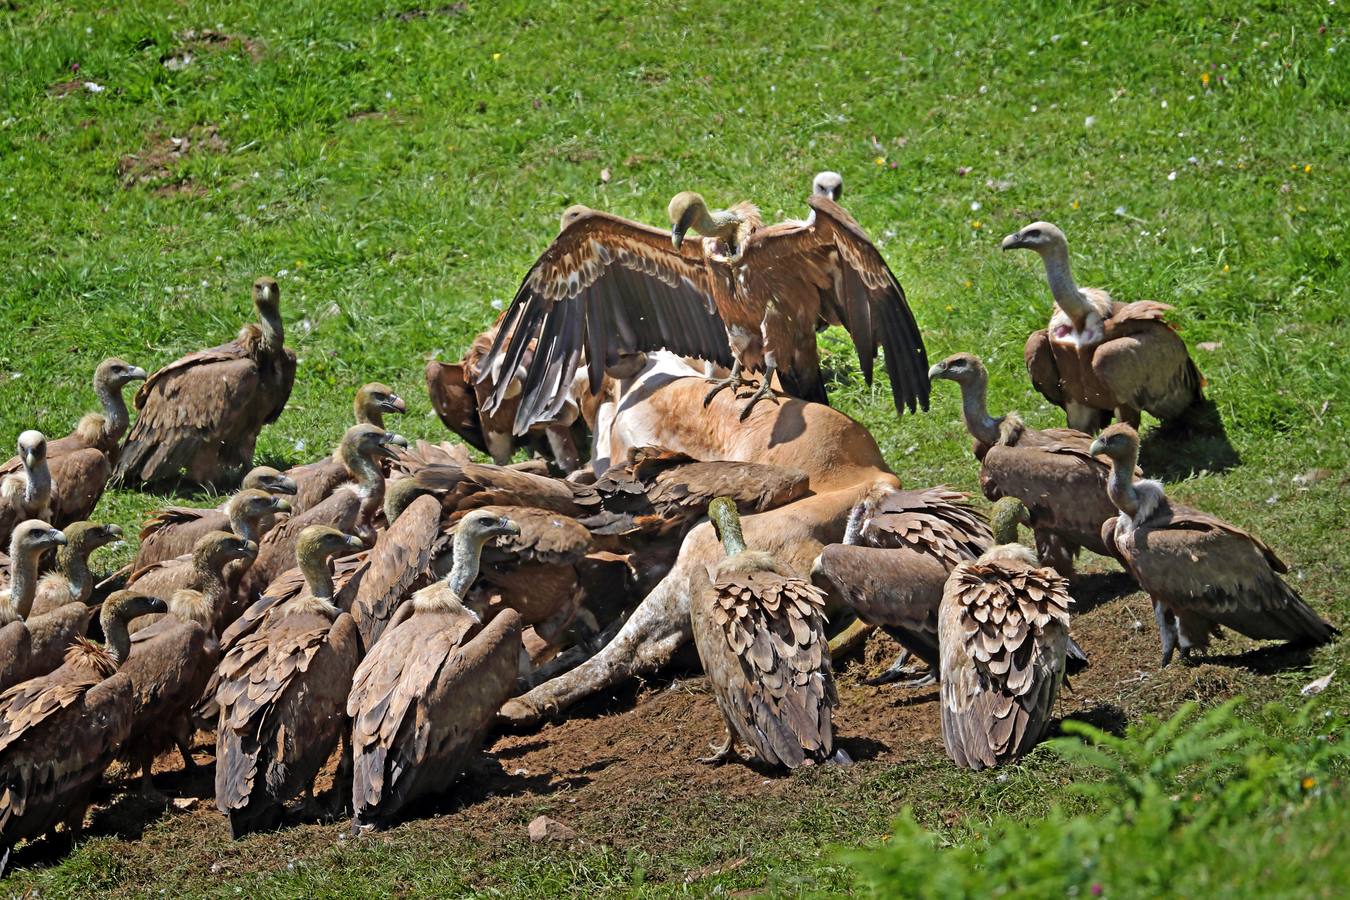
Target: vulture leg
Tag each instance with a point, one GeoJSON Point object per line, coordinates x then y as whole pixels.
{"type": "Point", "coordinates": [563, 448]}
{"type": "Point", "coordinates": [765, 389]}
{"type": "Point", "coordinates": [182, 738]}
{"type": "Point", "coordinates": [1167, 628]}
{"type": "Point", "coordinates": [1056, 552]}
{"type": "Point", "coordinates": [1129, 415]}
{"type": "Point", "coordinates": [733, 381]}
{"type": "Point", "coordinates": [722, 753]}
{"type": "Point", "coordinates": [1086, 419]}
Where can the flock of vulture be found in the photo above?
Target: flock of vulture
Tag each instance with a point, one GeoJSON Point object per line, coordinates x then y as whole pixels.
{"type": "Point", "coordinates": [399, 601]}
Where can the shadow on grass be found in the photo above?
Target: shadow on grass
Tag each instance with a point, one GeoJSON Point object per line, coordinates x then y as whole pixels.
{"type": "Point", "coordinates": [1093, 589]}
{"type": "Point", "coordinates": [1107, 716]}
{"type": "Point", "coordinates": [1267, 660]}
{"type": "Point", "coordinates": [1198, 443]}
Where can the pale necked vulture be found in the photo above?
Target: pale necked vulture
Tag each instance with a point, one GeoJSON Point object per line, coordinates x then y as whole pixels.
{"type": "Point", "coordinates": [1200, 572]}
{"type": "Point", "coordinates": [26, 494]}
{"type": "Point", "coordinates": [72, 582]}
{"type": "Point", "coordinates": [174, 530]}
{"type": "Point", "coordinates": [1098, 357]}
{"type": "Point", "coordinates": [351, 509]}
{"type": "Point", "coordinates": [426, 694]}
{"type": "Point", "coordinates": [401, 560]}
{"type": "Point", "coordinates": [899, 548]}
{"type": "Point", "coordinates": [760, 632]}
{"type": "Point", "coordinates": [746, 296]}
{"type": "Point", "coordinates": [82, 461]}
{"type": "Point", "coordinates": [59, 731]}
{"type": "Point", "coordinates": [1004, 626]}
{"type": "Point", "coordinates": [1051, 471]}
{"type": "Point", "coordinates": [30, 646]}
{"type": "Point", "coordinates": [173, 659]}
{"type": "Point", "coordinates": [282, 694]}
{"type": "Point", "coordinates": [201, 414]}
{"type": "Point", "coordinates": [315, 481]}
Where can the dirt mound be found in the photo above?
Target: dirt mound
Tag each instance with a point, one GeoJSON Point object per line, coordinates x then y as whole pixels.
{"type": "Point", "coordinates": [157, 163]}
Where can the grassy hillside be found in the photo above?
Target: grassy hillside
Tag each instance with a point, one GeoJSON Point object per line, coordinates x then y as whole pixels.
{"type": "Point", "coordinates": [398, 167]}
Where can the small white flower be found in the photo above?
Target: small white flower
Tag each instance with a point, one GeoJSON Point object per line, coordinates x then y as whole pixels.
{"type": "Point", "coordinates": [1033, 107]}
{"type": "Point", "coordinates": [496, 304]}
{"type": "Point", "coordinates": [93, 88]}
{"type": "Point", "coordinates": [1164, 104]}
{"type": "Point", "coordinates": [1171, 176]}
{"type": "Point", "coordinates": [1120, 210]}
{"type": "Point", "coordinates": [984, 89]}
{"type": "Point", "coordinates": [282, 273]}
{"type": "Point", "coordinates": [1089, 121]}
{"type": "Point", "coordinates": [1055, 38]}
{"type": "Point", "coordinates": [1193, 160]}
{"type": "Point", "coordinates": [300, 445]}
{"type": "Point", "coordinates": [974, 206]}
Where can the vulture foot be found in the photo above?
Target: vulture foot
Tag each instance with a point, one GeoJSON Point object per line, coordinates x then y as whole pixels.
{"type": "Point", "coordinates": [840, 757]}
{"type": "Point", "coordinates": [723, 753]}
{"type": "Point", "coordinates": [764, 392]}
{"type": "Point", "coordinates": [897, 674]}
{"type": "Point", "coordinates": [733, 381]}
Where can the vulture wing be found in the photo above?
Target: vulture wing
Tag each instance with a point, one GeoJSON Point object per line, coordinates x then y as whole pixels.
{"type": "Point", "coordinates": [608, 286]}
{"type": "Point", "coordinates": [398, 564]}
{"type": "Point", "coordinates": [937, 521]}
{"type": "Point", "coordinates": [1004, 630]}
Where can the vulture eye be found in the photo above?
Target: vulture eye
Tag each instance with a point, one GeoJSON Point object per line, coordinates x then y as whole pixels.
{"type": "Point", "coordinates": [1034, 233]}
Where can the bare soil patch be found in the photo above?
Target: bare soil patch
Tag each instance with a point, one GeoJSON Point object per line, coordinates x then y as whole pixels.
{"type": "Point", "coordinates": [158, 161]}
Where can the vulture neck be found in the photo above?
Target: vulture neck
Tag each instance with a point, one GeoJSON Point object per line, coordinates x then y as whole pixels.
{"type": "Point", "coordinates": [116, 640]}
{"type": "Point", "coordinates": [369, 485]}
{"type": "Point", "coordinates": [974, 408]}
{"type": "Point", "coordinates": [193, 606]}
{"type": "Point", "coordinates": [37, 488]}
{"type": "Point", "coordinates": [22, 585]}
{"type": "Point", "coordinates": [1063, 288]}
{"type": "Point", "coordinates": [72, 562]}
{"type": "Point", "coordinates": [368, 413]}
{"type": "Point", "coordinates": [210, 581]}
{"type": "Point", "coordinates": [317, 577]}
{"type": "Point", "coordinates": [273, 334]}
{"type": "Point", "coordinates": [729, 528]}
{"type": "Point", "coordinates": [244, 524]}
{"type": "Point", "coordinates": [115, 418]}
{"type": "Point", "coordinates": [1120, 488]}
{"type": "Point", "coordinates": [468, 550]}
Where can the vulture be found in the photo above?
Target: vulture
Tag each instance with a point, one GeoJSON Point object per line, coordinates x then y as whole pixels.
{"type": "Point", "coordinates": [315, 481]}
{"type": "Point", "coordinates": [401, 560]}
{"type": "Point", "coordinates": [72, 582]}
{"type": "Point", "coordinates": [82, 461]}
{"type": "Point", "coordinates": [201, 414]}
{"type": "Point", "coordinates": [174, 530]}
{"type": "Point", "coordinates": [59, 731]}
{"type": "Point", "coordinates": [1051, 471]}
{"type": "Point", "coordinates": [760, 633]}
{"type": "Point", "coordinates": [281, 694]}
{"type": "Point", "coordinates": [172, 660]}
{"type": "Point", "coordinates": [1004, 626]}
{"type": "Point", "coordinates": [1099, 357]}
{"type": "Point", "coordinates": [351, 509]}
{"type": "Point", "coordinates": [1200, 572]}
{"type": "Point", "coordinates": [26, 494]}
{"type": "Point", "coordinates": [746, 296]}
{"type": "Point", "coordinates": [898, 550]}
{"type": "Point", "coordinates": [461, 400]}
{"type": "Point", "coordinates": [425, 696]}
{"type": "Point", "coordinates": [31, 646]}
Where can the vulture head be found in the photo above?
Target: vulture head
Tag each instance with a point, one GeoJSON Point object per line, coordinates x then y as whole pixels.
{"type": "Point", "coordinates": [399, 495]}
{"type": "Point", "coordinates": [687, 210]}
{"type": "Point", "coordinates": [117, 374]}
{"type": "Point", "coordinates": [216, 549]}
{"type": "Point", "coordinates": [320, 543]}
{"type": "Point", "coordinates": [1120, 443]}
{"type": "Point", "coordinates": [266, 478]}
{"type": "Point", "coordinates": [32, 448]}
{"type": "Point", "coordinates": [118, 610]}
{"type": "Point", "coordinates": [368, 442]}
{"type": "Point", "coordinates": [266, 295]}
{"type": "Point", "coordinates": [374, 400]}
{"type": "Point", "coordinates": [83, 538]}
{"type": "Point", "coordinates": [963, 368]}
{"type": "Point", "coordinates": [255, 505]}
{"type": "Point", "coordinates": [481, 526]}
{"type": "Point", "coordinates": [1004, 518]}
{"type": "Point", "coordinates": [33, 538]}
{"type": "Point", "coordinates": [571, 214]}
{"type": "Point", "coordinates": [828, 184]}
{"type": "Point", "coordinates": [1039, 236]}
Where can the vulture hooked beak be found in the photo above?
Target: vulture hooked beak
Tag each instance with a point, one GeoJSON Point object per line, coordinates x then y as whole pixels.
{"type": "Point", "coordinates": [677, 236]}
{"type": "Point", "coordinates": [136, 373]}
{"type": "Point", "coordinates": [57, 537]}
{"type": "Point", "coordinates": [1098, 448]}
{"type": "Point", "coordinates": [284, 484]}
{"type": "Point", "coordinates": [937, 370]}
{"type": "Point", "coordinates": [1013, 241]}
{"type": "Point", "coordinates": [382, 447]}
{"type": "Point", "coordinates": [114, 530]}
{"type": "Point", "coordinates": [394, 404]}
{"type": "Point", "coordinates": [353, 543]}
{"type": "Point", "coordinates": [280, 505]}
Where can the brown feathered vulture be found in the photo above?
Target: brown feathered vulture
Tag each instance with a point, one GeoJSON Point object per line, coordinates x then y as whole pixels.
{"type": "Point", "coordinates": [1004, 627]}
{"type": "Point", "coordinates": [58, 732]}
{"type": "Point", "coordinates": [72, 582]}
{"type": "Point", "coordinates": [173, 659]}
{"type": "Point", "coordinates": [425, 695]}
{"type": "Point", "coordinates": [282, 694]}
{"type": "Point", "coordinates": [201, 415]}
{"type": "Point", "coordinates": [29, 647]}
{"type": "Point", "coordinates": [898, 549]}
{"type": "Point", "coordinates": [1098, 357]}
{"type": "Point", "coordinates": [401, 560]}
{"type": "Point", "coordinates": [174, 530]}
{"type": "Point", "coordinates": [26, 494]}
{"type": "Point", "coordinates": [760, 633]}
{"type": "Point", "coordinates": [1201, 572]}
{"type": "Point", "coordinates": [746, 296]}
{"type": "Point", "coordinates": [1051, 471]}
{"type": "Point", "coordinates": [315, 481]}
{"type": "Point", "coordinates": [82, 462]}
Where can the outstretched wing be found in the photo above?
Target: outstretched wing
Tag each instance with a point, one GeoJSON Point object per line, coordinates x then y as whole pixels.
{"type": "Point", "coordinates": [609, 286]}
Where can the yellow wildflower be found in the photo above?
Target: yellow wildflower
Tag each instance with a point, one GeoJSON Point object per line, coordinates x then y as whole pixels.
{"type": "Point", "coordinates": [977, 225]}
{"type": "Point", "coordinates": [1308, 782]}
{"type": "Point", "coordinates": [880, 160]}
{"type": "Point", "coordinates": [1307, 169]}
{"type": "Point", "coordinates": [496, 56]}
{"type": "Point", "coordinates": [1073, 205]}
{"type": "Point", "coordinates": [1204, 78]}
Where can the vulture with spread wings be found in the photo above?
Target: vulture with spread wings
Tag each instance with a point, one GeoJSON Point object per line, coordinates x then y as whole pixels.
{"type": "Point", "coordinates": [745, 296]}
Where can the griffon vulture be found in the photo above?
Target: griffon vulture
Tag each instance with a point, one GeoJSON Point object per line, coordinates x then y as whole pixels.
{"type": "Point", "coordinates": [174, 530]}
{"type": "Point", "coordinates": [315, 481]}
{"type": "Point", "coordinates": [30, 647]}
{"type": "Point", "coordinates": [26, 494]}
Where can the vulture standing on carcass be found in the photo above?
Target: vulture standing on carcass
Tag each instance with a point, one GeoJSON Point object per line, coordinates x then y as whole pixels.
{"type": "Point", "coordinates": [201, 414]}
{"type": "Point", "coordinates": [282, 693]}
{"type": "Point", "coordinates": [746, 296]}
{"type": "Point", "coordinates": [26, 494]}
{"type": "Point", "coordinates": [425, 696]}
{"type": "Point", "coordinates": [82, 462]}
{"type": "Point", "coordinates": [1051, 471]}
{"type": "Point", "coordinates": [760, 633]}
{"type": "Point", "coordinates": [351, 509]}
{"type": "Point", "coordinates": [1004, 626]}
{"type": "Point", "coordinates": [1200, 572]}
{"type": "Point", "coordinates": [899, 548]}
{"type": "Point", "coordinates": [172, 660]}
{"type": "Point", "coordinates": [59, 731]}
{"type": "Point", "coordinates": [1098, 357]}
{"type": "Point", "coordinates": [72, 582]}
{"type": "Point", "coordinates": [315, 481]}
{"type": "Point", "coordinates": [31, 646]}
{"type": "Point", "coordinates": [175, 530]}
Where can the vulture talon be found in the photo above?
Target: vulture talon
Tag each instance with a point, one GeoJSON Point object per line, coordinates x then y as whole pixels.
{"type": "Point", "coordinates": [721, 754]}
{"type": "Point", "coordinates": [733, 381]}
{"type": "Point", "coordinates": [765, 392]}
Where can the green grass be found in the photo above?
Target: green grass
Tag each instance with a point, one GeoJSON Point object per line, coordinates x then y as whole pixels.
{"type": "Point", "coordinates": [404, 170]}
